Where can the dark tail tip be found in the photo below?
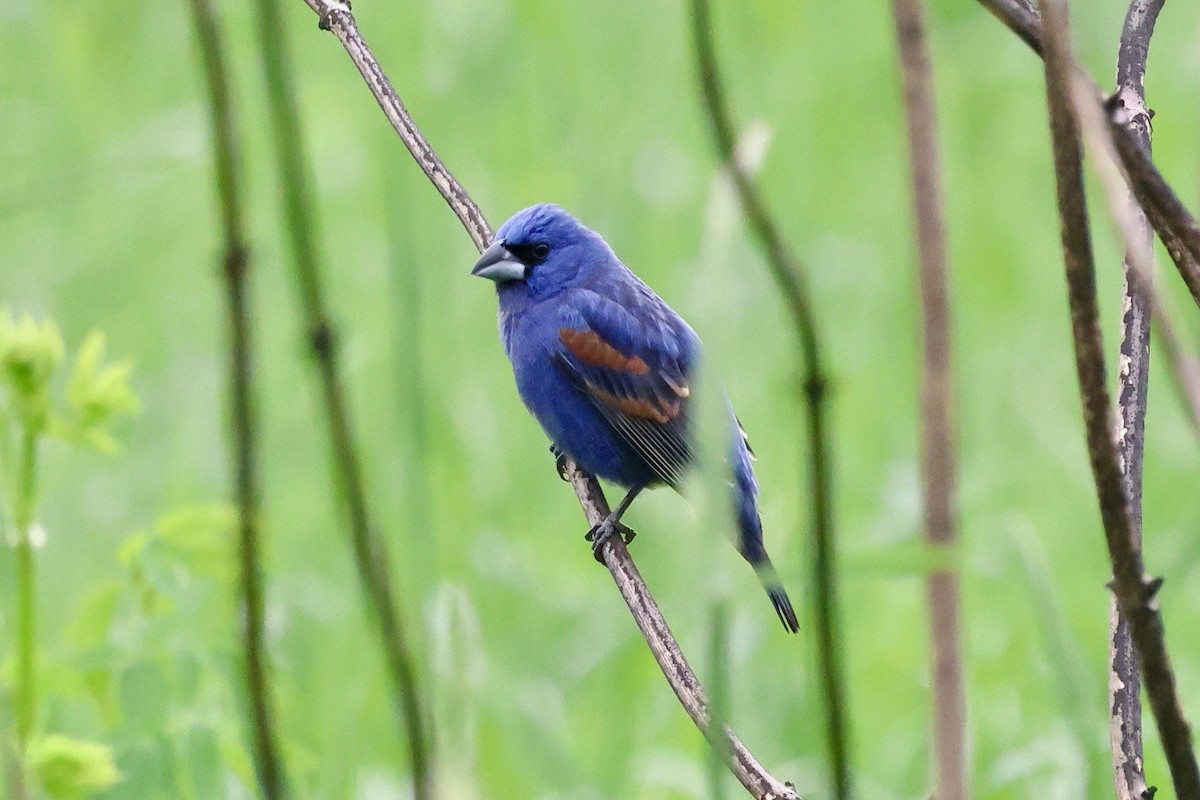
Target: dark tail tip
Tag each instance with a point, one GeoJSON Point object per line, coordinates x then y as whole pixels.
{"type": "Point", "coordinates": [783, 607]}
{"type": "Point", "coordinates": [770, 580]}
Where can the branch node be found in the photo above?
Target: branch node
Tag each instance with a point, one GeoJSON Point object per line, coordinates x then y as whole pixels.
{"type": "Point", "coordinates": [325, 17]}
{"type": "Point", "coordinates": [815, 388]}
{"type": "Point", "coordinates": [1125, 107]}
{"type": "Point", "coordinates": [237, 258]}
{"type": "Point", "coordinates": [1150, 589]}
{"type": "Point", "coordinates": [321, 339]}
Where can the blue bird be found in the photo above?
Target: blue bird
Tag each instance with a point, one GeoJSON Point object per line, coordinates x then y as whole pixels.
{"type": "Point", "coordinates": [604, 365]}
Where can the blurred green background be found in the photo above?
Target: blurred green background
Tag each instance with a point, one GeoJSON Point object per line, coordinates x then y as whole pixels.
{"type": "Point", "coordinates": [539, 682]}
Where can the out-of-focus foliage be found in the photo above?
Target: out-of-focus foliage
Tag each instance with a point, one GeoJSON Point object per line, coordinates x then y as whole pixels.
{"type": "Point", "coordinates": [69, 769]}
{"type": "Point", "coordinates": [95, 393]}
{"type": "Point", "coordinates": [540, 684]}
{"type": "Point", "coordinates": [29, 354]}
{"type": "Point", "coordinates": [65, 768]}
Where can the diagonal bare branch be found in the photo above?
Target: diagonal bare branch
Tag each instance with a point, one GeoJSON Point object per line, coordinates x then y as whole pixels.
{"type": "Point", "coordinates": [335, 16]}
{"type": "Point", "coordinates": [1026, 22]}
{"type": "Point", "coordinates": [1170, 218]}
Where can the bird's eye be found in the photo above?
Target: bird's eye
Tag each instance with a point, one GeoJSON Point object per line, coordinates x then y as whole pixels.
{"type": "Point", "coordinates": [530, 254]}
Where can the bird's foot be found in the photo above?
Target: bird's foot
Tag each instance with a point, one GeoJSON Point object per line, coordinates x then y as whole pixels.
{"type": "Point", "coordinates": [560, 462]}
{"type": "Point", "coordinates": [600, 533]}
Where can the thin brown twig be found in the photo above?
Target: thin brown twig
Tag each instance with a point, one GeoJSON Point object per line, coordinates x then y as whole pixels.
{"type": "Point", "coordinates": [1124, 677]}
{"type": "Point", "coordinates": [789, 277]}
{"type": "Point", "coordinates": [1170, 218]}
{"type": "Point", "coordinates": [937, 397]}
{"type": "Point", "coordinates": [335, 16]}
{"type": "Point", "coordinates": [370, 555]}
{"type": "Point", "coordinates": [330, 13]}
{"type": "Point", "coordinates": [236, 263]}
{"type": "Point", "coordinates": [1135, 593]}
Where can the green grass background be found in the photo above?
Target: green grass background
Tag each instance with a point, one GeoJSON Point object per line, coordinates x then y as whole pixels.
{"type": "Point", "coordinates": [540, 684]}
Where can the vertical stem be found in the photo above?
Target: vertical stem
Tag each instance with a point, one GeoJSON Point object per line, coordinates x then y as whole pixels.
{"type": "Point", "coordinates": [258, 680]}
{"type": "Point", "coordinates": [937, 394]}
{"type": "Point", "coordinates": [824, 577]}
{"type": "Point", "coordinates": [792, 284]}
{"type": "Point", "coordinates": [1134, 591]}
{"type": "Point", "coordinates": [370, 555]}
{"type": "Point", "coordinates": [1124, 677]}
{"type": "Point", "coordinates": [24, 504]}
{"type": "Point", "coordinates": [241, 405]}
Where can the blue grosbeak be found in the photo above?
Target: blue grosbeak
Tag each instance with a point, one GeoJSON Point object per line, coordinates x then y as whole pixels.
{"type": "Point", "coordinates": [604, 364]}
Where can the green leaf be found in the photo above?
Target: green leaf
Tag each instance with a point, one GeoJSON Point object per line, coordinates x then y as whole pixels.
{"type": "Point", "coordinates": [92, 622]}
{"type": "Point", "coordinates": [100, 441]}
{"type": "Point", "coordinates": [107, 395]}
{"type": "Point", "coordinates": [71, 769]}
{"type": "Point", "coordinates": [133, 546]}
{"type": "Point", "coordinates": [97, 393]}
{"type": "Point", "coordinates": [203, 537]}
{"type": "Point", "coordinates": [87, 362]}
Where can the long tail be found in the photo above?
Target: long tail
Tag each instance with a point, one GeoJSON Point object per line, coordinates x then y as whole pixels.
{"type": "Point", "coordinates": [765, 571]}
{"type": "Point", "coordinates": [750, 540]}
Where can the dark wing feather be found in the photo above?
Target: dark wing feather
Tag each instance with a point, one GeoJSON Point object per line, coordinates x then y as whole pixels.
{"type": "Point", "coordinates": [632, 364]}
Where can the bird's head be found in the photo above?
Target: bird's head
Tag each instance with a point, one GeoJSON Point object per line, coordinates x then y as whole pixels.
{"type": "Point", "coordinates": [540, 250]}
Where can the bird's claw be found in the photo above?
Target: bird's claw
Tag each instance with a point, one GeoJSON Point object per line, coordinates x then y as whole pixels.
{"type": "Point", "coordinates": [560, 462]}
{"type": "Point", "coordinates": [599, 534]}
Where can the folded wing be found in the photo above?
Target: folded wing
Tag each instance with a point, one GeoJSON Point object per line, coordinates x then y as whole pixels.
{"type": "Point", "coordinates": [634, 367]}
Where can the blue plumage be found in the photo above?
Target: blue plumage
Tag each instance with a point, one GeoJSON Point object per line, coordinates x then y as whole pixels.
{"type": "Point", "coordinates": [604, 364]}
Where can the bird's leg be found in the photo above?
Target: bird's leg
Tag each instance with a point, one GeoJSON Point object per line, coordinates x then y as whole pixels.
{"type": "Point", "coordinates": [560, 462]}
{"type": "Point", "coordinates": [612, 524]}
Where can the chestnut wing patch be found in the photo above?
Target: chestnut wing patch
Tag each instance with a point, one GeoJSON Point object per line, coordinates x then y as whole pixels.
{"type": "Point", "coordinates": [640, 395]}
{"type": "Point", "coordinates": [589, 348]}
